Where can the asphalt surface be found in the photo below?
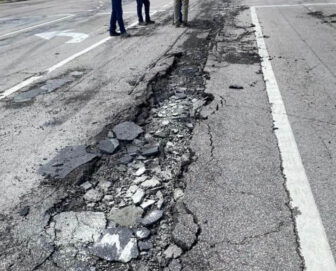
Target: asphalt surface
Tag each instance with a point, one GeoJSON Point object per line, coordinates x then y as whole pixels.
{"type": "Point", "coordinates": [235, 186]}
{"type": "Point", "coordinates": [31, 134]}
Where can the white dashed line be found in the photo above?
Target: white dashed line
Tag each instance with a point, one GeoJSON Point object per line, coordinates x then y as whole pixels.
{"type": "Point", "coordinates": [36, 26]}
{"type": "Point", "coordinates": [314, 245]}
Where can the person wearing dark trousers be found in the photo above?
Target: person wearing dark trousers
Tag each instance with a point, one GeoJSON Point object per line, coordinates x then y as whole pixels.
{"type": "Point", "coordinates": [117, 16]}
{"type": "Point", "coordinates": [145, 3]}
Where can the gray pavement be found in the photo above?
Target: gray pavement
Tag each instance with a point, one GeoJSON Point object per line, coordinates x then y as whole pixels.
{"type": "Point", "coordinates": [220, 184]}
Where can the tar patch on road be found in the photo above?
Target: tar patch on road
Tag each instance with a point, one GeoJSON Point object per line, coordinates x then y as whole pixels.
{"type": "Point", "coordinates": [27, 97]}
{"type": "Point", "coordinates": [326, 19]}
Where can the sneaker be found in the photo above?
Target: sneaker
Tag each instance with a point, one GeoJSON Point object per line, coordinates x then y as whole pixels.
{"type": "Point", "coordinates": [125, 35]}
{"type": "Point", "coordinates": [150, 22]}
{"type": "Point", "coordinates": [142, 23]}
{"type": "Point", "coordinates": [177, 24]}
{"type": "Point", "coordinates": [185, 24]}
{"type": "Point", "coordinates": [114, 34]}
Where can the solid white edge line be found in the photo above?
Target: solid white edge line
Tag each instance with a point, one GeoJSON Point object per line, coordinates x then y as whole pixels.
{"type": "Point", "coordinates": [36, 26]}
{"type": "Point", "coordinates": [314, 245]}
{"type": "Point", "coordinates": [295, 5]}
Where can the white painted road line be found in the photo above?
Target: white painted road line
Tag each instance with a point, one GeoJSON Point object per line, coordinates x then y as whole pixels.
{"type": "Point", "coordinates": [23, 84]}
{"type": "Point", "coordinates": [295, 5]}
{"type": "Point", "coordinates": [314, 245]}
{"type": "Point", "coordinates": [33, 79]}
{"type": "Point", "coordinates": [36, 26]}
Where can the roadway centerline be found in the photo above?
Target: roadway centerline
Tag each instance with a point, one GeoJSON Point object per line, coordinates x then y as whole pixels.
{"type": "Point", "coordinates": [313, 241]}
{"type": "Point", "coordinates": [36, 26]}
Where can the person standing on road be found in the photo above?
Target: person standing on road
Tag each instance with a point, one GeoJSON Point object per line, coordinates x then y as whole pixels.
{"type": "Point", "coordinates": [145, 3]}
{"type": "Point", "coordinates": [117, 16]}
{"type": "Point", "coordinates": [181, 12]}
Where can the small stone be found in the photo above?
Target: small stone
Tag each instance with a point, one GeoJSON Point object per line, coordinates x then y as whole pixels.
{"type": "Point", "coordinates": [86, 185]}
{"type": "Point", "coordinates": [165, 122]}
{"type": "Point", "coordinates": [178, 193]}
{"type": "Point", "coordinates": [108, 198]}
{"type": "Point", "coordinates": [151, 183]}
{"type": "Point", "coordinates": [127, 131]}
{"type": "Point", "coordinates": [149, 137]}
{"type": "Point", "coordinates": [133, 150]}
{"type": "Point", "coordinates": [140, 171]}
{"type": "Point", "coordinates": [150, 149]}
{"type": "Point", "coordinates": [141, 179]}
{"type": "Point", "coordinates": [190, 125]}
{"type": "Point", "coordinates": [152, 217]}
{"type": "Point", "coordinates": [128, 216]}
{"type": "Point", "coordinates": [175, 265]}
{"type": "Point", "coordinates": [145, 245]}
{"type": "Point", "coordinates": [160, 198]}
{"type": "Point", "coordinates": [108, 146]}
{"type": "Point", "coordinates": [110, 134]}
{"type": "Point", "coordinates": [104, 185]}
{"type": "Point", "coordinates": [142, 233]}
{"type": "Point", "coordinates": [172, 252]}
{"type": "Point", "coordinates": [93, 195]}
{"type": "Point", "coordinates": [236, 87]}
{"type": "Point", "coordinates": [77, 74]}
{"type": "Point", "coordinates": [116, 244]}
{"type": "Point", "coordinates": [147, 204]}
{"type": "Point", "coordinates": [138, 196]}
{"type": "Point", "coordinates": [126, 159]}
{"type": "Point", "coordinates": [24, 211]}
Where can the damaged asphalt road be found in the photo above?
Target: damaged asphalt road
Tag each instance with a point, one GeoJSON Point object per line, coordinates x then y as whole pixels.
{"type": "Point", "coordinates": [166, 163]}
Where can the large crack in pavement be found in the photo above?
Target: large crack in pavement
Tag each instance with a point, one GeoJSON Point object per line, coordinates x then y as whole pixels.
{"type": "Point", "coordinates": [123, 208]}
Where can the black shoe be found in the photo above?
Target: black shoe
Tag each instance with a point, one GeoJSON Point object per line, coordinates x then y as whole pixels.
{"type": "Point", "coordinates": [185, 24]}
{"type": "Point", "coordinates": [125, 35]}
{"type": "Point", "coordinates": [142, 23]}
{"type": "Point", "coordinates": [114, 34]}
{"type": "Point", "coordinates": [177, 24]}
{"type": "Point", "coordinates": [150, 22]}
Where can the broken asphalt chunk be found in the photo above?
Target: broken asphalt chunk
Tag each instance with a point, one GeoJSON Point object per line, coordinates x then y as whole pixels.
{"type": "Point", "coordinates": [236, 87]}
{"type": "Point", "coordinates": [116, 245]}
{"type": "Point", "coordinates": [24, 211]}
{"type": "Point", "coordinates": [150, 149]}
{"type": "Point", "coordinates": [78, 227]}
{"type": "Point", "coordinates": [129, 216]}
{"type": "Point", "coordinates": [185, 231]}
{"type": "Point", "coordinates": [108, 146]}
{"type": "Point", "coordinates": [142, 233]}
{"type": "Point", "coordinates": [69, 158]}
{"type": "Point", "coordinates": [127, 131]}
{"type": "Point", "coordinates": [173, 252]}
{"type": "Point", "coordinates": [152, 217]}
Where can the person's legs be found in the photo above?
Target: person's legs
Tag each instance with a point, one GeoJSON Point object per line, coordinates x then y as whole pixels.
{"type": "Point", "coordinates": [139, 10]}
{"type": "Point", "coordinates": [113, 20]}
{"type": "Point", "coordinates": [185, 11]}
{"type": "Point", "coordinates": [147, 10]}
{"type": "Point", "coordinates": [177, 12]}
{"type": "Point", "coordinates": [119, 15]}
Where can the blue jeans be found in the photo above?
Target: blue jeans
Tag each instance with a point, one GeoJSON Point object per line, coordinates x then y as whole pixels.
{"type": "Point", "coordinates": [117, 16]}
{"type": "Point", "coordinates": [146, 3]}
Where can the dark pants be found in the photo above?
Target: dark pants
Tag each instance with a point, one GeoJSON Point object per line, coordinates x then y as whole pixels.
{"type": "Point", "coordinates": [117, 16]}
{"type": "Point", "coordinates": [146, 3]}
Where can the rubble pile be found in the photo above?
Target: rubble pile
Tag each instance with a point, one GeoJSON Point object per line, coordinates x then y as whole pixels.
{"type": "Point", "coordinates": [129, 213]}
